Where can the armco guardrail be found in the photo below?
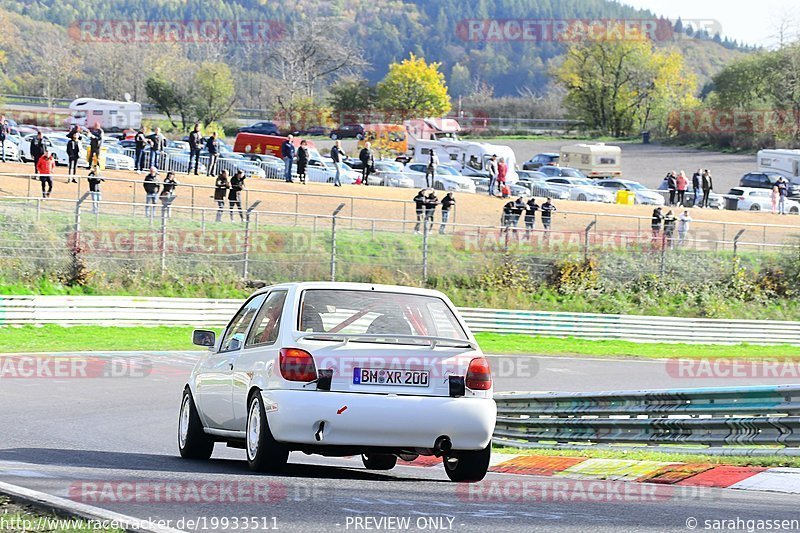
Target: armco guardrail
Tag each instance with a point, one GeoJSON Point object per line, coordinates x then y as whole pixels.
{"type": "Point", "coordinates": [750, 416]}
{"type": "Point", "coordinates": [135, 311]}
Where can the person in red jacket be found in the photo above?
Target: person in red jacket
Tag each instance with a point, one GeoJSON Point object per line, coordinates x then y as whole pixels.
{"type": "Point", "coordinates": [45, 167]}
{"type": "Point", "coordinates": [681, 183]}
{"type": "Point", "coordinates": [502, 171]}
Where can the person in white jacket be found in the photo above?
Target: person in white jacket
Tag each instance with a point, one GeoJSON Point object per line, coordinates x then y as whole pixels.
{"type": "Point", "coordinates": [683, 226]}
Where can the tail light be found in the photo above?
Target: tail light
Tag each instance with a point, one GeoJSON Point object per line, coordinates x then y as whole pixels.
{"type": "Point", "coordinates": [479, 376]}
{"type": "Point", "coordinates": [297, 365]}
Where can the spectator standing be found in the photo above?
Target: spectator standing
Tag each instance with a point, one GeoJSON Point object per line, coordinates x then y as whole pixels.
{"type": "Point", "coordinates": [195, 146]}
{"type": "Point", "coordinates": [430, 170]}
{"type": "Point", "coordinates": [140, 141]}
{"type": "Point", "coordinates": [683, 226]}
{"type": "Point", "coordinates": [447, 203]}
{"type": "Point", "coordinates": [337, 154]}
{"type": "Point", "coordinates": [45, 166]}
{"type": "Point", "coordinates": [367, 162]}
{"type": "Point", "coordinates": [235, 194]}
{"type": "Point", "coordinates": [502, 171]}
{"type": "Point", "coordinates": [696, 185]}
{"type": "Point", "coordinates": [672, 186]}
{"type": "Point", "coordinates": [212, 146]}
{"type": "Point", "coordinates": [151, 187]}
{"type": "Point", "coordinates": [3, 135]}
{"type": "Point", "coordinates": [707, 185]}
{"type": "Point", "coordinates": [73, 154]}
{"type": "Point", "coordinates": [783, 191]}
{"type": "Point", "coordinates": [509, 215]}
{"type": "Point", "coordinates": [287, 153]}
{"type": "Point", "coordinates": [157, 145]}
{"type": "Point", "coordinates": [37, 150]}
{"type": "Point", "coordinates": [491, 166]}
{"type": "Point", "coordinates": [221, 187]}
{"type": "Point", "coordinates": [681, 183]}
{"type": "Point", "coordinates": [419, 205]}
{"type": "Point", "coordinates": [431, 201]}
{"type": "Point", "coordinates": [96, 138]}
{"type": "Point", "coordinates": [547, 209]}
{"type": "Point", "coordinates": [94, 189]}
{"type": "Point", "coordinates": [530, 216]}
{"type": "Point", "coordinates": [774, 196]}
{"type": "Point", "coordinates": [655, 222]}
{"type": "Point", "coordinates": [669, 228]}
{"type": "Point", "coordinates": [168, 193]}
{"type": "Point", "coordinates": [302, 161]}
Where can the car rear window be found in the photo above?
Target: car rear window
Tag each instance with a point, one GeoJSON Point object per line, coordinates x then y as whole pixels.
{"type": "Point", "coordinates": [372, 313]}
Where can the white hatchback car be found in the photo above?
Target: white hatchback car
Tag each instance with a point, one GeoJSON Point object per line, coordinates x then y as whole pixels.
{"type": "Point", "coordinates": [342, 369]}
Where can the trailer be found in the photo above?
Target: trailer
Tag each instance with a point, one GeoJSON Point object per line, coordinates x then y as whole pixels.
{"type": "Point", "coordinates": [111, 115]}
{"type": "Point", "coordinates": [595, 160]}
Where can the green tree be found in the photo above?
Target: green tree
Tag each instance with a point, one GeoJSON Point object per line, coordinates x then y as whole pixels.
{"type": "Point", "coordinates": [352, 96]}
{"type": "Point", "coordinates": [413, 88]}
{"type": "Point", "coordinates": [460, 80]}
{"type": "Point", "coordinates": [214, 93]}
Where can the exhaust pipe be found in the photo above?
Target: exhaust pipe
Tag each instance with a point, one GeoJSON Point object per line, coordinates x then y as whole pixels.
{"type": "Point", "coordinates": [442, 446]}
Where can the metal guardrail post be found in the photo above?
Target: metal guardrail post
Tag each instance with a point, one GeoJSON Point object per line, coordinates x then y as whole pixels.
{"type": "Point", "coordinates": [246, 251]}
{"type": "Point", "coordinates": [192, 211]}
{"type": "Point", "coordinates": [296, 206]}
{"type": "Point", "coordinates": [352, 211]}
{"type": "Point", "coordinates": [736, 241]}
{"type": "Point", "coordinates": [333, 241]}
{"type": "Point", "coordinates": [586, 239]}
{"type": "Point", "coordinates": [78, 219]}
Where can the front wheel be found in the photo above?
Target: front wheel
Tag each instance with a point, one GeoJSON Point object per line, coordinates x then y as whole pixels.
{"type": "Point", "coordinates": [755, 207]}
{"type": "Point", "coordinates": [378, 461]}
{"type": "Point", "coordinates": [264, 453]}
{"type": "Point", "coordinates": [466, 466]}
{"type": "Point", "coordinates": [581, 197]}
{"type": "Point", "coordinates": [334, 136]}
{"type": "Point", "coordinates": [438, 186]}
{"type": "Point", "coordinates": [193, 442]}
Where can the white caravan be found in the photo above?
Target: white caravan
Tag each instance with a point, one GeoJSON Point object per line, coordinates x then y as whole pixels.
{"type": "Point", "coordinates": [432, 129]}
{"type": "Point", "coordinates": [469, 157]}
{"type": "Point", "coordinates": [112, 115]}
{"type": "Point", "coordinates": [595, 160]}
{"type": "Point", "coordinates": [783, 162]}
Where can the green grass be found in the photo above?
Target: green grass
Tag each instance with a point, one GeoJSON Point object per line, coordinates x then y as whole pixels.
{"type": "Point", "coordinates": [17, 517]}
{"type": "Point", "coordinates": [525, 344]}
{"type": "Point", "coordinates": [51, 338]}
{"type": "Point", "coordinates": [663, 456]}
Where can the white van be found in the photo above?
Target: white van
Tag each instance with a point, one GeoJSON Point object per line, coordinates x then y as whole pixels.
{"type": "Point", "coordinates": [783, 162]}
{"type": "Point", "coordinates": [595, 160]}
{"type": "Point", "coordinates": [112, 115]}
{"type": "Point", "coordinates": [470, 158]}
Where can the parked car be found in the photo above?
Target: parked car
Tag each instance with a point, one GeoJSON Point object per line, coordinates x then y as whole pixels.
{"type": "Point", "coordinates": [334, 369]}
{"type": "Point", "coordinates": [446, 178]}
{"type": "Point", "coordinates": [752, 199]}
{"type": "Point", "coordinates": [233, 162]}
{"type": "Point", "coordinates": [348, 131]}
{"type": "Point", "coordinates": [313, 131]}
{"type": "Point", "coordinates": [540, 160]}
{"type": "Point", "coordinates": [390, 174]}
{"type": "Point", "coordinates": [766, 180]}
{"type": "Point", "coordinates": [116, 159]}
{"type": "Point", "coordinates": [347, 175]}
{"type": "Point", "coordinates": [583, 190]}
{"type": "Point", "coordinates": [558, 172]}
{"type": "Point", "coordinates": [642, 195]}
{"type": "Point", "coordinates": [263, 128]}
{"type": "Point", "coordinates": [12, 149]}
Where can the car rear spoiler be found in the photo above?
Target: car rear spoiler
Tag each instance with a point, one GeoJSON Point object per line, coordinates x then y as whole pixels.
{"type": "Point", "coordinates": [433, 342]}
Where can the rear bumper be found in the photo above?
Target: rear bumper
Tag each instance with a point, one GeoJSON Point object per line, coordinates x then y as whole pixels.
{"type": "Point", "coordinates": [379, 420]}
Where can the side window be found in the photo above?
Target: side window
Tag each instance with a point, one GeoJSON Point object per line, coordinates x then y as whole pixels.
{"type": "Point", "coordinates": [443, 321]}
{"type": "Point", "coordinates": [234, 335]}
{"type": "Point", "coordinates": [267, 323]}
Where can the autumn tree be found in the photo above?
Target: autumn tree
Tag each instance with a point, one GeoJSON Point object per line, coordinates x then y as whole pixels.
{"type": "Point", "coordinates": [414, 88]}
{"type": "Point", "coordinates": [214, 92]}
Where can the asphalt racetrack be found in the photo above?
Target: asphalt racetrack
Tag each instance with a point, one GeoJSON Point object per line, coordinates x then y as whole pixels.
{"type": "Point", "coordinates": [110, 442]}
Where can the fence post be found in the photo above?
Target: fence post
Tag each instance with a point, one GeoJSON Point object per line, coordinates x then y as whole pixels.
{"type": "Point", "coordinates": [78, 221]}
{"type": "Point", "coordinates": [586, 239]}
{"type": "Point", "coordinates": [38, 209]}
{"type": "Point", "coordinates": [424, 250]}
{"type": "Point", "coordinates": [333, 241]}
{"type": "Point", "coordinates": [736, 242]}
{"type": "Point", "coordinates": [202, 222]}
{"type": "Point", "coordinates": [133, 203]}
{"type": "Point", "coordinates": [296, 206]}
{"type": "Point", "coordinates": [246, 251]}
{"type": "Point", "coordinates": [163, 243]}
{"type": "Point", "coordinates": [662, 265]}
{"type": "Point", "coordinates": [193, 188]}
{"type": "Point", "coordinates": [352, 211]}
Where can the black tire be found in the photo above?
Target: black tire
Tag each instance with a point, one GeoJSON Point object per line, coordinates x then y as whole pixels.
{"type": "Point", "coordinates": [359, 137]}
{"type": "Point", "coordinates": [468, 466]}
{"type": "Point", "coordinates": [264, 453]}
{"type": "Point", "coordinates": [193, 442]}
{"type": "Point", "coordinates": [438, 186]}
{"type": "Point", "coordinates": [755, 207]}
{"type": "Point", "coordinates": [334, 136]}
{"type": "Point", "coordinates": [581, 197]}
{"type": "Point", "coordinates": [794, 211]}
{"type": "Point", "coordinates": [378, 461]}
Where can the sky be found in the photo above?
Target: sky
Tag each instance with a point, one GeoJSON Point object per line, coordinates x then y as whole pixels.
{"type": "Point", "coordinates": [751, 22]}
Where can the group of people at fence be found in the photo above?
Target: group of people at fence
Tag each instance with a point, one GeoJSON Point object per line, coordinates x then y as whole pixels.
{"type": "Point", "coordinates": [678, 184]}
{"type": "Point", "coordinates": [514, 210]}
{"type": "Point", "coordinates": [425, 203]}
{"type": "Point", "coordinates": [663, 226]}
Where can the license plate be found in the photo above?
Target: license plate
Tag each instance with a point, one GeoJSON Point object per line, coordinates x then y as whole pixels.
{"type": "Point", "coordinates": [402, 378]}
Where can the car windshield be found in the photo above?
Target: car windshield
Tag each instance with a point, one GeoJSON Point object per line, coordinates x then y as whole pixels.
{"type": "Point", "coordinates": [636, 186]}
{"type": "Point", "coordinates": [389, 167]}
{"type": "Point", "coordinates": [572, 173]}
{"type": "Point", "coordinates": [582, 181]}
{"type": "Point", "coordinates": [357, 312]}
{"type": "Point", "coordinates": [445, 170]}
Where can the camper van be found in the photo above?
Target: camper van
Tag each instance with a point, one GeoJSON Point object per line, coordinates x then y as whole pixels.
{"type": "Point", "coordinates": [783, 162]}
{"type": "Point", "coordinates": [385, 139]}
{"type": "Point", "coordinates": [432, 129]}
{"type": "Point", "coordinates": [594, 160]}
{"type": "Point", "coordinates": [110, 114]}
{"type": "Point", "coordinates": [470, 158]}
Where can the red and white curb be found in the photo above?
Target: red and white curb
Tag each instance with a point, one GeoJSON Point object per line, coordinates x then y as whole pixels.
{"type": "Point", "coordinates": [786, 480]}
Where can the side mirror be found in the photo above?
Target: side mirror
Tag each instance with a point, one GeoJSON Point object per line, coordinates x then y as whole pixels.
{"type": "Point", "coordinates": [203, 337]}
